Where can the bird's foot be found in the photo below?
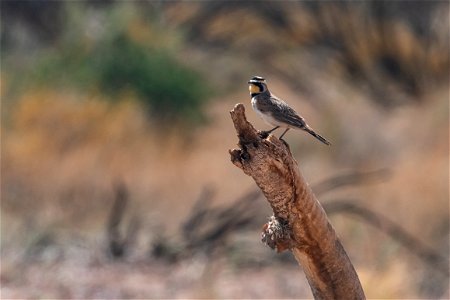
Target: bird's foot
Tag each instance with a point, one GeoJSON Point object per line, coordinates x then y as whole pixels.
{"type": "Point", "coordinates": [263, 134]}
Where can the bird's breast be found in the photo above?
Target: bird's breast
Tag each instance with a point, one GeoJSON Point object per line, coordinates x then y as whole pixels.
{"type": "Point", "coordinates": [255, 107]}
{"type": "Point", "coordinates": [265, 115]}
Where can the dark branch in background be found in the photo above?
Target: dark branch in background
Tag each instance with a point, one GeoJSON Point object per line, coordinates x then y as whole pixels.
{"type": "Point", "coordinates": [199, 212]}
{"type": "Point", "coordinates": [115, 239]}
{"type": "Point", "coordinates": [395, 231]}
{"type": "Point", "coordinates": [207, 228]}
{"type": "Point", "coordinates": [197, 230]}
{"type": "Point", "coordinates": [203, 227]}
{"type": "Point", "coordinates": [350, 179]}
{"type": "Point", "coordinates": [119, 243]}
{"type": "Point", "coordinates": [429, 256]}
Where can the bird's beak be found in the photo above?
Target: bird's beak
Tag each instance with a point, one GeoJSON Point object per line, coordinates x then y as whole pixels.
{"type": "Point", "coordinates": [249, 82]}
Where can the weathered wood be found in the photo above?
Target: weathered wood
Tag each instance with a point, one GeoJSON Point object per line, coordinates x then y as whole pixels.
{"type": "Point", "coordinates": [299, 223]}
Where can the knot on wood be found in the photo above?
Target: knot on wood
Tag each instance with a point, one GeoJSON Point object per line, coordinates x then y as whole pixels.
{"type": "Point", "coordinates": [277, 234]}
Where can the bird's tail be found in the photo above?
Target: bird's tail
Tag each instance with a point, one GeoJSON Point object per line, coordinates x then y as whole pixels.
{"type": "Point", "coordinates": [317, 136]}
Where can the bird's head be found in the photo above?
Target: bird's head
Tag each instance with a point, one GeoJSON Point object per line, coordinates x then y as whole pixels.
{"type": "Point", "coordinates": [257, 85]}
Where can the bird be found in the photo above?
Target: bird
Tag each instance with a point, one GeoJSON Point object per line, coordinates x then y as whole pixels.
{"type": "Point", "coordinates": [275, 111]}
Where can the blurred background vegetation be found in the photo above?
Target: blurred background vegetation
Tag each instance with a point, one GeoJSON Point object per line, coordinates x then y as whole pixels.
{"type": "Point", "coordinates": [115, 131]}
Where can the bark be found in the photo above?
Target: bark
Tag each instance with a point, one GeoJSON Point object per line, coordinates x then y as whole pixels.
{"type": "Point", "coordinates": [299, 222]}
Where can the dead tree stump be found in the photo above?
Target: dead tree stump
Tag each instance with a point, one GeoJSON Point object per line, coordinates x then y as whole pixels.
{"type": "Point", "coordinates": [299, 222]}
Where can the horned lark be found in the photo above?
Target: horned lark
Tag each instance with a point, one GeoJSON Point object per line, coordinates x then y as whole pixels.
{"type": "Point", "coordinates": [275, 111]}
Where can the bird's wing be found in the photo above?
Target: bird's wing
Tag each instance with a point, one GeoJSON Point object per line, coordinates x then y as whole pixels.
{"type": "Point", "coordinates": [282, 112]}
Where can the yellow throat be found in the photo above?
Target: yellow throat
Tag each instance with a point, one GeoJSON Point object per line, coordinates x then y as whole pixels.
{"type": "Point", "coordinates": [253, 89]}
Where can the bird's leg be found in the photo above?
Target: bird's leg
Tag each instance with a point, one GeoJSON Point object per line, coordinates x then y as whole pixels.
{"type": "Point", "coordinates": [284, 133]}
{"type": "Point", "coordinates": [265, 134]}
{"type": "Point", "coordinates": [270, 131]}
